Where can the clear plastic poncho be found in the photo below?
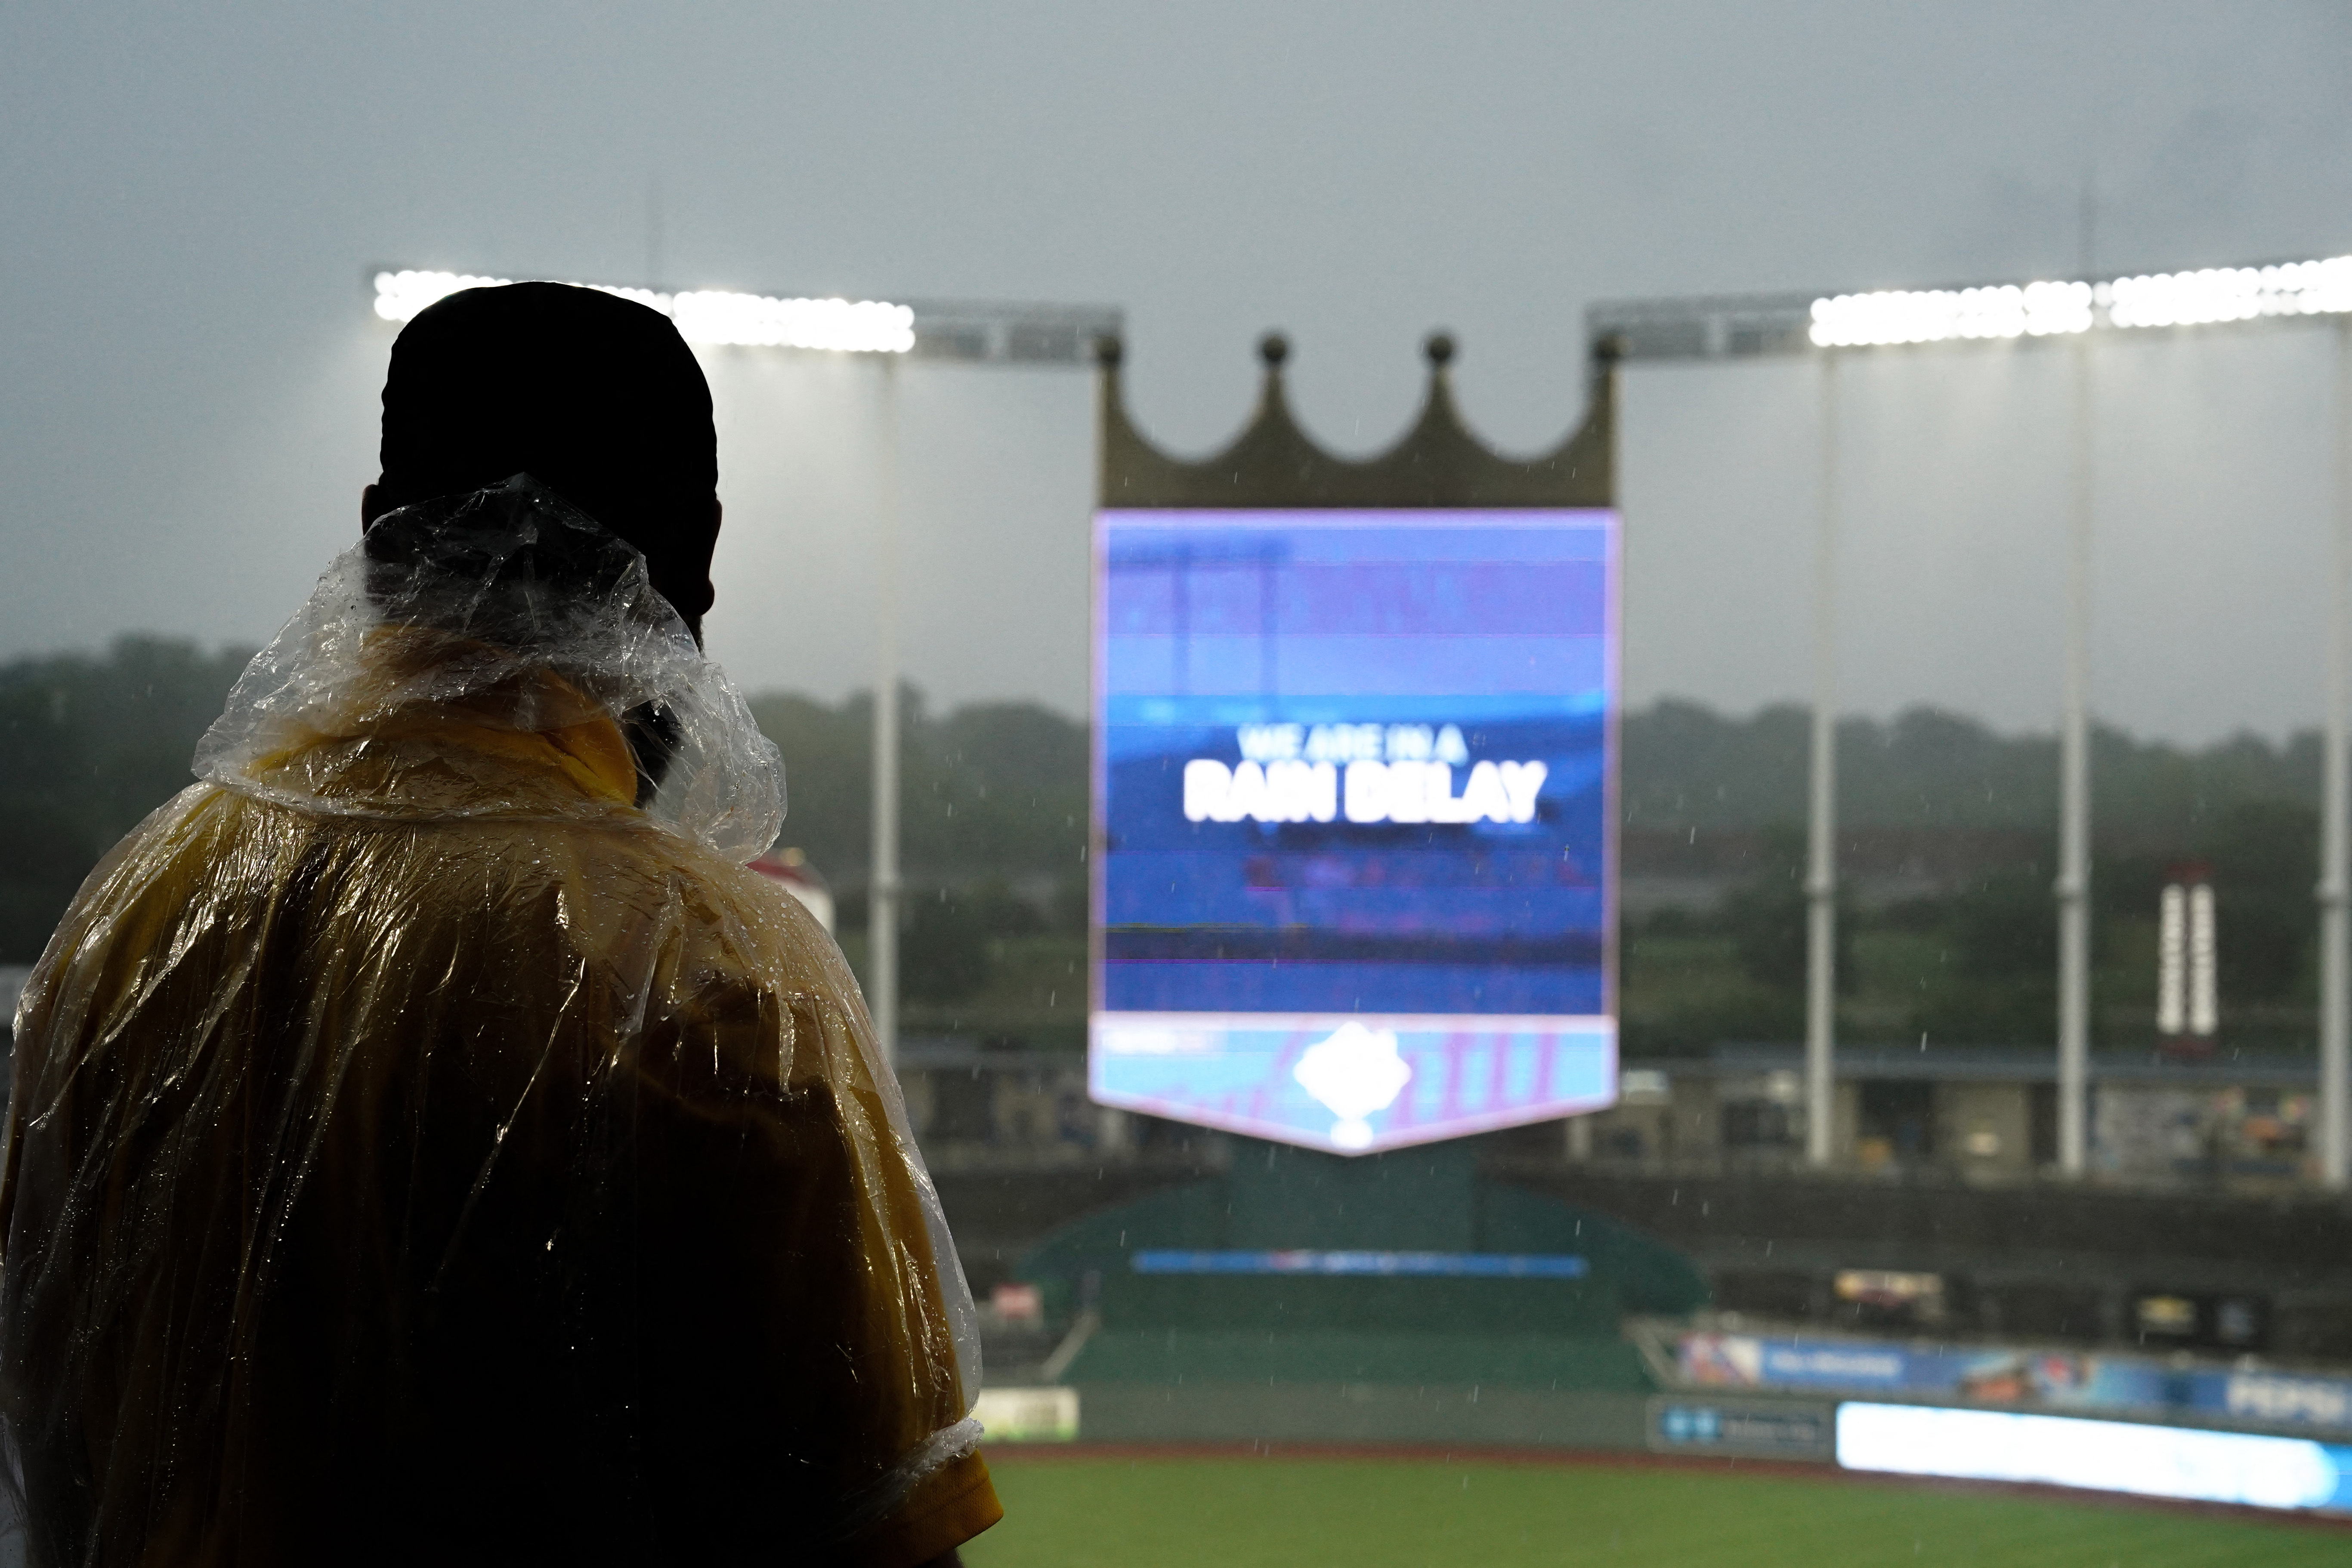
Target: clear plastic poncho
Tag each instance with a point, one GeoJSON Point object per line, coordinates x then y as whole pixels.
{"type": "Point", "coordinates": [428, 1140]}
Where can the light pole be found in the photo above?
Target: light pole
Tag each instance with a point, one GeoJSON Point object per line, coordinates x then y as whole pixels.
{"type": "Point", "coordinates": [2073, 885]}
{"type": "Point", "coordinates": [883, 886]}
{"type": "Point", "coordinates": [946, 331]}
{"type": "Point", "coordinates": [2335, 801]}
{"type": "Point", "coordinates": [1821, 837]}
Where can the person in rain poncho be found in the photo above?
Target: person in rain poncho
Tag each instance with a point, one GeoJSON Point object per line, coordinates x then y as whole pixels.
{"type": "Point", "coordinates": [428, 1143]}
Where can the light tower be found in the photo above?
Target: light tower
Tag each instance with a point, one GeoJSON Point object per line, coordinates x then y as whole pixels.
{"type": "Point", "coordinates": [2073, 312]}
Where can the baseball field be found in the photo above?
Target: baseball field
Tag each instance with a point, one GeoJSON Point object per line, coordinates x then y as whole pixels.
{"type": "Point", "coordinates": [1072, 1509]}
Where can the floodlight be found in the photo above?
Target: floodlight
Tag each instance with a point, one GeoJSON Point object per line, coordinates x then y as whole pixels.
{"type": "Point", "coordinates": [2230, 294]}
{"type": "Point", "coordinates": [2215, 294]}
{"type": "Point", "coordinates": [703, 316]}
{"type": "Point", "coordinates": [1939, 315]}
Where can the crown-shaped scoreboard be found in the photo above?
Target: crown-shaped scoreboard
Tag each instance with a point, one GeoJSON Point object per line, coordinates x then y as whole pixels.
{"type": "Point", "coordinates": [1355, 778]}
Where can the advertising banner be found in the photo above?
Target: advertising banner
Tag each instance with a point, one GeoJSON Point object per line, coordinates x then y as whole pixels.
{"type": "Point", "coordinates": [1354, 797]}
{"type": "Point", "coordinates": [1754, 1428]}
{"type": "Point", "coordinates": [2063, 1380]}
{"type": "Point", "coordinates": [1042, 1414]}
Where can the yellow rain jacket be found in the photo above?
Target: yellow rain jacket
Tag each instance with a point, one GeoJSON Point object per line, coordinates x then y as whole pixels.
{"type": "Point", "coordinates": [419, 1152]}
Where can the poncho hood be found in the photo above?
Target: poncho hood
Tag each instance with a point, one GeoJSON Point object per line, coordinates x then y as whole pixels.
{"type": "Point", "coordinates": [498, 653]}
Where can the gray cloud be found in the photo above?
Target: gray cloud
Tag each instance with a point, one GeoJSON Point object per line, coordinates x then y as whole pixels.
{"type": "Point", "coordinates": [193, 200]}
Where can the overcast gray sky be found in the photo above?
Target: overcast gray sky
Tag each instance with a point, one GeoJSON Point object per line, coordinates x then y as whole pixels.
{"type": "Point", "coordinates": [192, 197]}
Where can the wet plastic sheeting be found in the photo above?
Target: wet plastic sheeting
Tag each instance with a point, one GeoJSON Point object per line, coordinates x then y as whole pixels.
{"type": "Point", "coordinates": [488, 1152]}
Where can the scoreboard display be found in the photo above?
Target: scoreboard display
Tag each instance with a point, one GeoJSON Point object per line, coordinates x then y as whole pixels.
{"type": "Point", "coordinates": [1354, 800]}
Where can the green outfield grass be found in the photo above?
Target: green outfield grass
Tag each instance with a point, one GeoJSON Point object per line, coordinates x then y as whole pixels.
{"type": "Point", "coordinates": [1073, 1511]}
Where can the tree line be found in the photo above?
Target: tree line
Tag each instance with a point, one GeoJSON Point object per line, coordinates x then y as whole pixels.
{"type": "Point", "coordinates": [994, 807]}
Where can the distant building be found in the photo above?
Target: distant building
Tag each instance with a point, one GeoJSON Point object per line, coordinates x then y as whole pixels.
{"type": "Point", "coordinates": [1988, 1111]}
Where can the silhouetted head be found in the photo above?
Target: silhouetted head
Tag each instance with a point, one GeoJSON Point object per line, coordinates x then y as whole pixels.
{"type": "Point", "coordinates": [595, 396]}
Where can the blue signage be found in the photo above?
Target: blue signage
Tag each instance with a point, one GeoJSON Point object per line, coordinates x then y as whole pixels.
{"type": "Point", "coordinates": [1778, 1429]}
{"type": "Point", "coordinates": [1392, 1265]}
{"type": "Point", "coordinates": [1354, 797]}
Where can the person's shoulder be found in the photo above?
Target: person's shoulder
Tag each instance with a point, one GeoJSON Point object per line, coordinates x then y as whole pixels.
{"type": "Point", "coordinates": [731, 920]}
{"type": "Point", "coordinates": [176, 842]}
{"type": "Point", "coordinates": [742, 958]}
{"type": "Point", "coordinates": [188, 862]}
{"type": "Point", "coordinates": [797, 953]}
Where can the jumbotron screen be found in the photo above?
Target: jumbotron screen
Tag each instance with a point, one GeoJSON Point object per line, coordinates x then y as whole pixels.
{"type": "Point", "coordinates": [1355, 779]}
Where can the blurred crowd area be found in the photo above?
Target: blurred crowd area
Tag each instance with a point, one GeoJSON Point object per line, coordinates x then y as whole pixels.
{"type": "Point", "coordinates": [1972, 1117]}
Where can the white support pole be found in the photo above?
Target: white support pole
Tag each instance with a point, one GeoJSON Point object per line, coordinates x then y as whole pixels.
{"type": "Point", "coordinates": [883, 894]}
{"type": "Point", "coordinates": [1820, 869]}
{"type": "Point", "coordinates": [2335, 799]}
{"type": "Point", "coordinates": [2073, 881]}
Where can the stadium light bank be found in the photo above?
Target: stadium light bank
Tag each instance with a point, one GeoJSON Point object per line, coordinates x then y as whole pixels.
{"type": "Point", "coordinates": [714, 317]}
{"type": "Point", "coordinates": [2213, 297]}
{"type": "Point", "coordinates": [969, 331]}
{"type": "Point", "coordinates": [966, 333]}
{"type": "Point", "coordinates": [1826, 327]}
{"type": "Point", "coordinates": [1744, 326]}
